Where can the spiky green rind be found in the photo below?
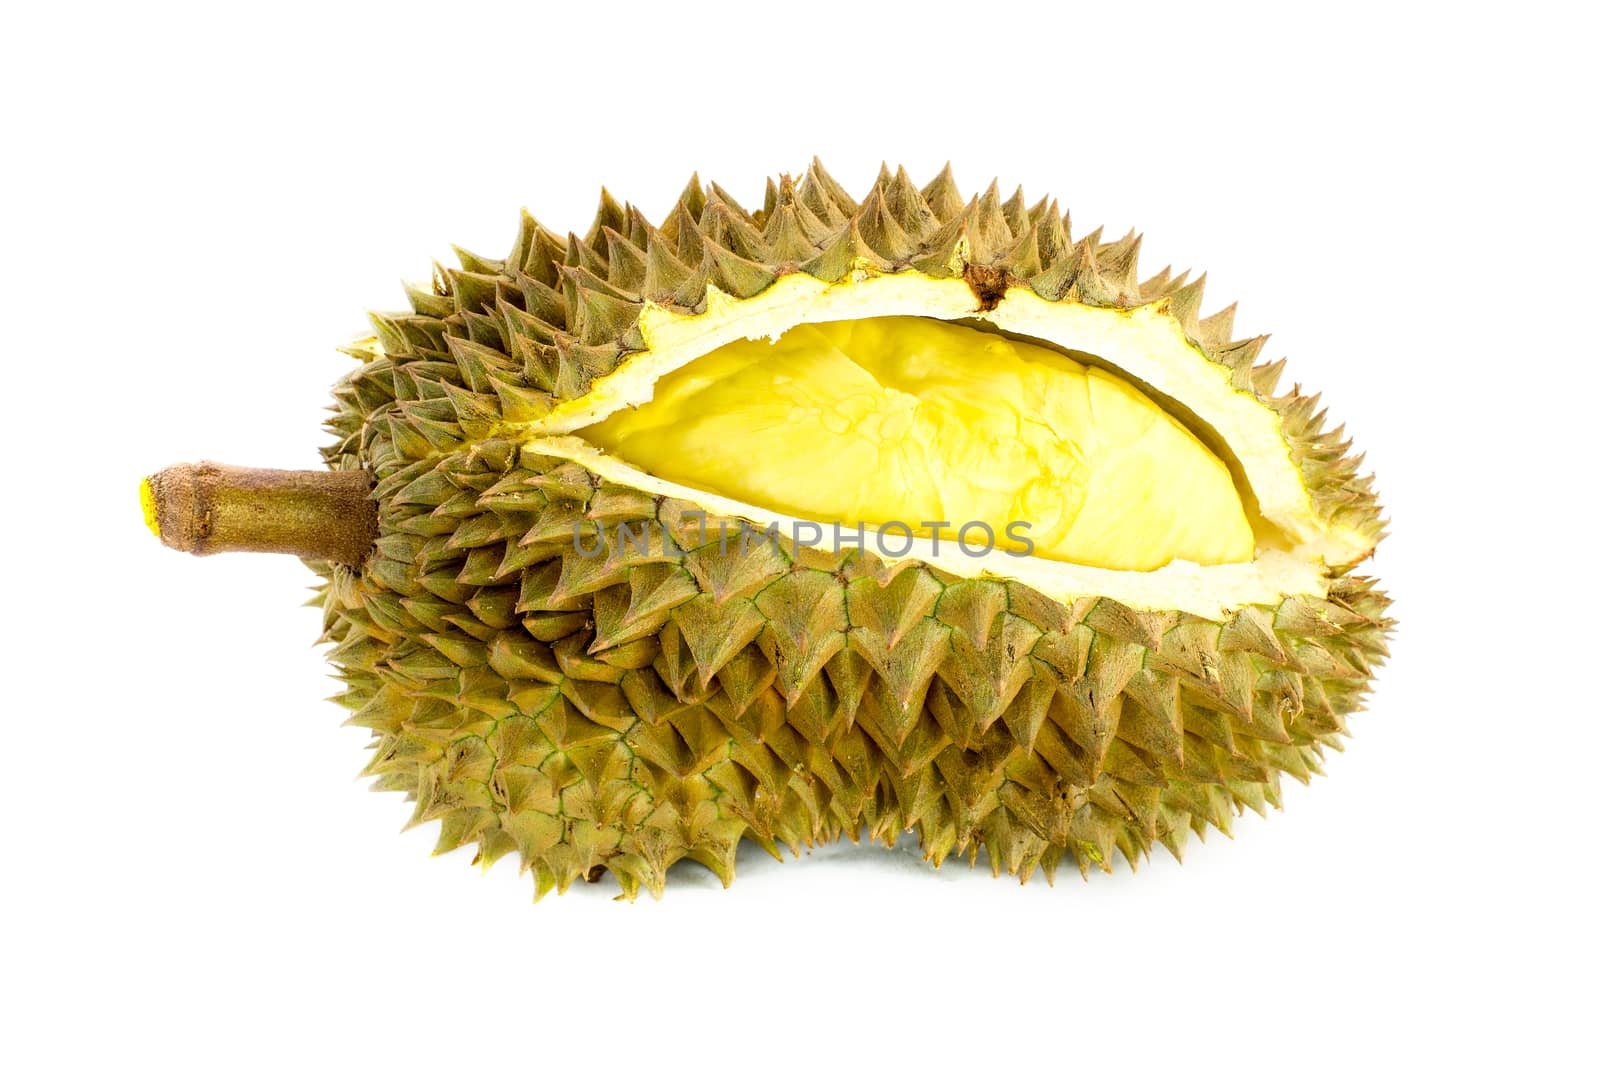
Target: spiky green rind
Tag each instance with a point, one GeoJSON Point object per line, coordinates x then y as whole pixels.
{"type": "Point", "coordinates": [627, 711]}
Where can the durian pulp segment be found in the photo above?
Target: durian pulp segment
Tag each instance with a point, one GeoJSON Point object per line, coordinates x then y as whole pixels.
{"type": "Point", "coordinates": [921, 421]}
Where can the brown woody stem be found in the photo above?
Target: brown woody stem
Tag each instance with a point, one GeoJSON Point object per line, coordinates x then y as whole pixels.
{"type": "Point", "coordinates": [209, 508]}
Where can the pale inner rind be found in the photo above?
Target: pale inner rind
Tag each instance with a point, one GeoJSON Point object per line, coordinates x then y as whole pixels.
{"type": "Point", "coordinates": [1145, 343]}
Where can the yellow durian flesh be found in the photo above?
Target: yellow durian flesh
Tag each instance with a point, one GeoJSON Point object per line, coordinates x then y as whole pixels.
{"type": "Point", "coordinates": [901, 419]}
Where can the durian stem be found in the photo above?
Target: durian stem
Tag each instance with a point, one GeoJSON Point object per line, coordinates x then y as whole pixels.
{"type": "Point", "coordinates": [209, 508]}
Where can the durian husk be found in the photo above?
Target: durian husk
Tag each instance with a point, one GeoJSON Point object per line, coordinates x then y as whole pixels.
{"type": "Point", "coordinates": [625, 712]}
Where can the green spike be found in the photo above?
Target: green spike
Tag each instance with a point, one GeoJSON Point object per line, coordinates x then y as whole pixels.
{"type": "Point", "coordinates": [845, 254]}
{"type": "Point", "coordinates": [734, 274]}
{"type": "Point", "coordinates": [881, 232]}
{"type": "Point", "coordinates": [942, 196]}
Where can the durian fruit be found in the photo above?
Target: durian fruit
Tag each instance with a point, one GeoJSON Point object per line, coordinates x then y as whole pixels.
{"type": "Point", "coordinates": [830, 517]}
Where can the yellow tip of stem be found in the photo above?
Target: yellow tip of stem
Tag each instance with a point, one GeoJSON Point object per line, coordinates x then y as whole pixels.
{"type": "Point", "coordinates": [147, 501]}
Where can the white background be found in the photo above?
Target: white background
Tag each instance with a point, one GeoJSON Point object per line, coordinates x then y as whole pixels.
{"type": "Point", "coordinates": [199, 204]}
